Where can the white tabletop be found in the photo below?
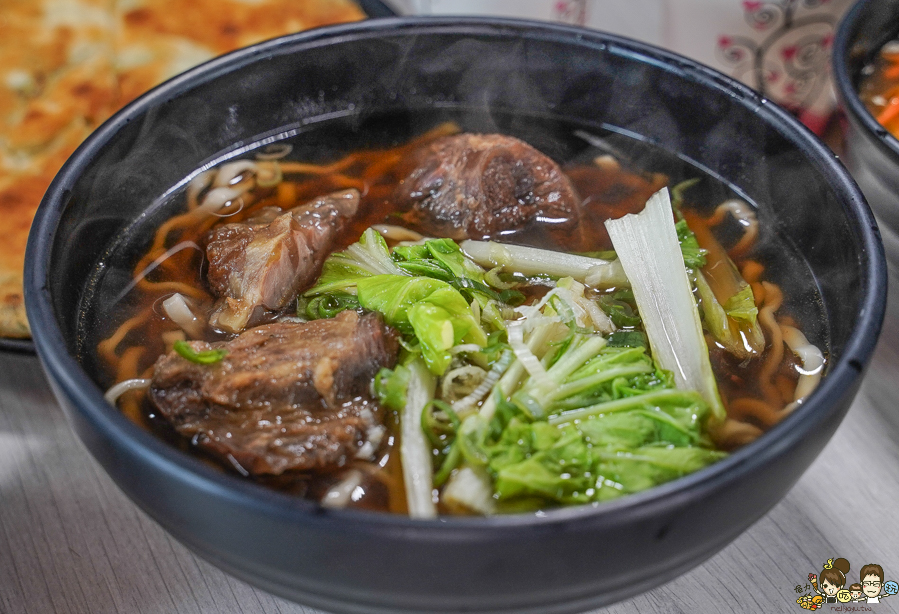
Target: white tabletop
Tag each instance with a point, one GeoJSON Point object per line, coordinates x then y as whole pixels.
{"type": "Point", "coordinates": [71, 543]}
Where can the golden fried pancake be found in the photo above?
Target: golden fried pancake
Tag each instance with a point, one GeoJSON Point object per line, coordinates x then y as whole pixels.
{"type": "Point", "coordinates": [157, 39]}
{"type": "Point", "coordinates": [56, 85]}
{"type": "Point", "coordinates": [67, 65]}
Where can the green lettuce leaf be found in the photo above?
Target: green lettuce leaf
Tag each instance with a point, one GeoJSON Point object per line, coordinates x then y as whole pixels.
{"type": "Point", "coordinates": [443, 259]}
{"type": "Point", "coordinates": [624, 472]}
{"type": "Point", "coordinates": [639, 432]}
{"type": "Point", "coordinates": [694, 256]}
{"type": "Point", "coordinates": [741, 306]}
{"type": "Point", "coordinates": [432, 310]}
{"type": "Point", "coordinates": [365, 258]}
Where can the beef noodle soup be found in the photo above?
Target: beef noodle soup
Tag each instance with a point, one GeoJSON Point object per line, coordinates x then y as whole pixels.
{"type": "Point", "coordinates": [458, 323]}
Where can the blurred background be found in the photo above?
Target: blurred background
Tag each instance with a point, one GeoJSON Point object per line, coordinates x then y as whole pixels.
{"type": "Point", "coordinates": [781, 47]}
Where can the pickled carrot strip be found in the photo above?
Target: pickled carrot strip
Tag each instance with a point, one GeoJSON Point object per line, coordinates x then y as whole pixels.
{"type": "Point", "coordinates": [890, 112]}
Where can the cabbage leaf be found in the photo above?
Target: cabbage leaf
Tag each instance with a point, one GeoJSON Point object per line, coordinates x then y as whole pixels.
{"type": "Point", "coordinates": [649, 249]}
{"type": "Point", "coordinates": [612, 424]}
{"type": "Point", "coordinates": [365, 258]}
{"type": "Point", "coordinates": [651, 433]}
{"type": "Point", "coordinates": [430, 309]}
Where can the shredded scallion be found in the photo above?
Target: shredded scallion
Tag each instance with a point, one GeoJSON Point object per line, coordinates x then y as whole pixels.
{"type": "Point", "coordinates": [203, 357]}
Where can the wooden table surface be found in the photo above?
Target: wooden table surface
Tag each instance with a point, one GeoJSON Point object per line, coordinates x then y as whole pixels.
{"type": "Point", "coordinates": [70, 542]}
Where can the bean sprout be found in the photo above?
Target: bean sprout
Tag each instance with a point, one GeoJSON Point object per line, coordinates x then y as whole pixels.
{"type": "Point", "coordinates": [219, 198]}
{"type": "Point", "coordinates": [275, 151]}
{"type": "Point", "coordinates": [196, 187]}
{"type": "Point", "coordinates": [112, 395]}
{"type": "Point", "coordinates": [177, 309]}
{"type": "Point", "coordinates": [341, 493]}
{"type": "Point", "coordinates": [232, 173]}
{"type": "Point", "coordinates": [745, 216]}
{"type": "Point", "coordinates": [392, 232]}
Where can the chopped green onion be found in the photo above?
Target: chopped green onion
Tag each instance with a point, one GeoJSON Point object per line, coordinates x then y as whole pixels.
{"type": "Point", "coordinates": [653, 398]}
{"type": "Point", "coordinates": [390, 387]}
{"type": "Point", "coordinates": [329, 305]}
{"type": "Point", "coordinates": [628, 338]}
{"type": "Point", "coordinates": [694, 256]}
{"type": "Point", "coordinates": [439, 421]}
{"type": "Point", "coordinates": [204, 357]}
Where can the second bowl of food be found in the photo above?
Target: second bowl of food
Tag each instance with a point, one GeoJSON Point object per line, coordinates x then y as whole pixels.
{"type": "Point", "coordinates": [866, 53]}
{"type": "Point", "coordinates": [432, 315]}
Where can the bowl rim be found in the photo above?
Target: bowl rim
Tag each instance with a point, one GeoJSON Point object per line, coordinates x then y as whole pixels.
{"type": "Point", "coordinates": [70, 379]}
{"type": "Point", "coordinates": [845, 86]}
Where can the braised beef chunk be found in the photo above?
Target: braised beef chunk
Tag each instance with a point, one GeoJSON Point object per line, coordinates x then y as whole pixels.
{"type": "Point", "coordinates": [286, 396]}
{"type": "Point", "coordinates": [265, 263]}
{"type": "Point", "coordinates": [478, 186]}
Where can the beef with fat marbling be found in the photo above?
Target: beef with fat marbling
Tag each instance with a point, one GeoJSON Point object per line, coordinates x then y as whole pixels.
{"type": "Point", "coordinates": [286, 397]}
{"type": "Point", "coordinates": [265, 263]}
{"type": "Point", "coordinates": [480, 186]}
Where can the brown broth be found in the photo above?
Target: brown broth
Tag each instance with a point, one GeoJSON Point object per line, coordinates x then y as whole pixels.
{"type": "Point", "coordinates": [143, 333]}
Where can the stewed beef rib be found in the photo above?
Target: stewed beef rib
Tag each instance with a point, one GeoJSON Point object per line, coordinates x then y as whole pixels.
{"type": "Point", "coordinates": [286, 396]}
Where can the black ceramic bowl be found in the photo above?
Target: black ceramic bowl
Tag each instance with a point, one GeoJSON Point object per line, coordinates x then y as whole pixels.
{"type": "Point", "coordinates": [512, 76]}
{"type": "Point", "coordinates": [872, 153]}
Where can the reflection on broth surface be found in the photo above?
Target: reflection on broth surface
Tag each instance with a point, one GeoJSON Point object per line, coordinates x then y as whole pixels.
{"type": "Point", "coordinates": [445, 325]}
